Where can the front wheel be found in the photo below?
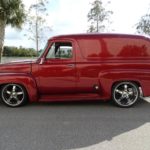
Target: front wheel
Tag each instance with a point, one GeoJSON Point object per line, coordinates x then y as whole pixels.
{"type": "Point", "coordinates": [13, 95]}
{"type": "Point", "coordinates": [125, 94]}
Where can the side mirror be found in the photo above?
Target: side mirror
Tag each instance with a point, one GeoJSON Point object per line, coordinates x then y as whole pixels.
{"type": "Point", "coordinates": [42, 61]}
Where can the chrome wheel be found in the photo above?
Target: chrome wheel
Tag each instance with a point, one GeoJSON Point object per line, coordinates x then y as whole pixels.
{"type": "Point", "coordinates": [13, 95]}
{"type": "Point", "coordinates": [125, 94]}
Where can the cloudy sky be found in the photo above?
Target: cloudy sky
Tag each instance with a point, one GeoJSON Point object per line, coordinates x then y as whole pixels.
{"type": "Point", "coordinates": [70, 16]}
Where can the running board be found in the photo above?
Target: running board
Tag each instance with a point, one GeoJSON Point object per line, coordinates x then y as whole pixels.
{"type": "Point", "coordinates": [71, 97]}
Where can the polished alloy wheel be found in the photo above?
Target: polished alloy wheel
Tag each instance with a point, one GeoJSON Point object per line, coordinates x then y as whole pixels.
{"type": "Point", "coordinates": [13, 95]}
{"type": "Point", "coordinates": [125, 94]}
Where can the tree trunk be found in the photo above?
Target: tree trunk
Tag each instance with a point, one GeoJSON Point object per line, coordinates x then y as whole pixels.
{"type": "Point", "coordinates": [37, 37]}
{"type": "Point", "coordinates": [36, 30]}
{"type": "Point", "coordinates": [2, 35]}
{"type": "Point", "coordinates": [97, 23]}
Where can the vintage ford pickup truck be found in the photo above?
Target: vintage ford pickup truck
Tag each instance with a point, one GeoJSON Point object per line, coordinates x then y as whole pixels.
{"type": "Point", "coordinates": [81, 67]}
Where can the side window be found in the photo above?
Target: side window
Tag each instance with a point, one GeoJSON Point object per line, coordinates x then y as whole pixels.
{"type": "Point", "coordinates": [62, 50]}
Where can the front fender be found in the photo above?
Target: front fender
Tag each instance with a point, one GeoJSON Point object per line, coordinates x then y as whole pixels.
{"type": "Point", "coordinates": [23, 79]}
{"type": "Point", "coordinates": [109, 77]}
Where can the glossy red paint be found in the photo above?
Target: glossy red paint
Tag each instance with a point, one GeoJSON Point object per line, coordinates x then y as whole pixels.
{"type": "Point", "coordinates": [99, 60]}
{"type": "Point", "coordinates": [23, 79]}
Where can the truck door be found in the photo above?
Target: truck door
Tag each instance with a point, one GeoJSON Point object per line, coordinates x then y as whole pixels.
{"type": "Point", "coordinates": [58, 71]}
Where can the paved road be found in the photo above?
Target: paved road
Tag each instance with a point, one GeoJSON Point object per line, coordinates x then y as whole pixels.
{"type": "Point", "coordinates": [76, 126]}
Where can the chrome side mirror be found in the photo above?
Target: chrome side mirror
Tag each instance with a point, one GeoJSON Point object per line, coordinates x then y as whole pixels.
{"type": "Point", "coordinates": [42, 61]}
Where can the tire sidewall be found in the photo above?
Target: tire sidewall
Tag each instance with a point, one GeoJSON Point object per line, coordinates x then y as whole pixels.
{"type": "Point", "coordinates": [23, 102]}
{"type": "Point", "coordinates": [125, 82]}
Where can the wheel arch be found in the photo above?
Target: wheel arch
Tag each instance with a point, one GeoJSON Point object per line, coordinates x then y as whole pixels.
{"type": "Point", "coordinates": [122, 96]}
{"type": "Point", "coordinates": [22, 85]}
{"type": "Point", "coordinates": [25, 80]}
{"type": "Point", "coordinates": [109, 78]}
{"type": "Point", "coordinates": [133, 81]}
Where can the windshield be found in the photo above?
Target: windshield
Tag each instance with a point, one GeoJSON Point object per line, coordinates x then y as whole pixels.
{"type": "Point", "coordinates": [43, 50]}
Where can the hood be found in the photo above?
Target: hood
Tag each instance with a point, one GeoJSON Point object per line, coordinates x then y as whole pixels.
{"type": "Point", "coordinates": [16, 67]}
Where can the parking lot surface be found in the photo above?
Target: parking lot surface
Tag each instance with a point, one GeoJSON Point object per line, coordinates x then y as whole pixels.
{"type": "Point", "coordinates": [75, 126]}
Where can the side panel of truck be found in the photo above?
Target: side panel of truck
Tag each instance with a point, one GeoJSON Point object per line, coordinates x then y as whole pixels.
{"type": "Point", "coordinates": [99, 62]}
{"type": "Point", "coordinates": [112, 55]}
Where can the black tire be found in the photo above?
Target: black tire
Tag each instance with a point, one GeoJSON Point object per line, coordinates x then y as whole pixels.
{"type": "Point", "coordinates": [125, 94]}
{"type": "Point", "coordinates": [13, 95]}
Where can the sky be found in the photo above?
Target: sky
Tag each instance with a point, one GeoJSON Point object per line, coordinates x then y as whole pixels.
{"type": "Point", "coordinates": [70, 16]}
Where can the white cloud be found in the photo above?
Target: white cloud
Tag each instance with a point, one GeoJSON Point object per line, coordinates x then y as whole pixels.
{"type": "Point", "coordinates": [127, 14]}
{"type": "Point", "coordinates": [70, 16]}
{"type": "Point", "coordinates": [28, 3]}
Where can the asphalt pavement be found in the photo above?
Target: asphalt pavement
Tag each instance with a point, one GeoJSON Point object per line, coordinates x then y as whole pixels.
{"type": "Point", "coordinates": [75, 126]}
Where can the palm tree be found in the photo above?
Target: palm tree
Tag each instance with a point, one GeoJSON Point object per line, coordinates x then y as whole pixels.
{"type": "Point", "coordinates": [11, 13]}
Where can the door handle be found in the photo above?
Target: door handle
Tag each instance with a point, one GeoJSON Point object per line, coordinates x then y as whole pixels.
{"type": "Point", "coordinates": [71, 65]}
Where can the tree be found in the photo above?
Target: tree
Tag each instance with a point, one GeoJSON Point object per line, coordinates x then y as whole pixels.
{"type": "Point", "coordinates": [11, 13]}
{"type": "Point", "coordinates": [37, 27]}
{"type": "Point", "coordinates": [143, 26]}
{"type": "Point", "coordinates": [10, 51]}
{"type": "Point", "coordinates": [97, 17]}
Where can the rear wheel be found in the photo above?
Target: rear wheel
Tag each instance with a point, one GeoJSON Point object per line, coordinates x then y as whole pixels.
{"type": "Point", "coordinates": [125, 94]}
{"type": "Point", "coordinates": [13, 95]}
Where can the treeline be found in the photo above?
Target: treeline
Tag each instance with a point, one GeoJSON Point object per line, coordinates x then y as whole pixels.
{"type": "Point", "coordinates": [19, 52]}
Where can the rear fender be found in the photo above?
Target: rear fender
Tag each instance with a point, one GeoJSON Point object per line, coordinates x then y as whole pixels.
{"type": "Point", "coordinates": [108, 78]}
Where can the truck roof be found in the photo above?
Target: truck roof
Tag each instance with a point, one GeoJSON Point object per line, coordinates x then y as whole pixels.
{"type": "Point", "coordinates": [96, 35]}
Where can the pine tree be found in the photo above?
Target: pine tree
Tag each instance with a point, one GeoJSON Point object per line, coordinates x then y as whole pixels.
{"type": "Point", "coordinates": [97, 17]}
{"type": "Point", "coordinates": [143, 26]}
{"type": "Point", "coordinates": [37, 27]}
